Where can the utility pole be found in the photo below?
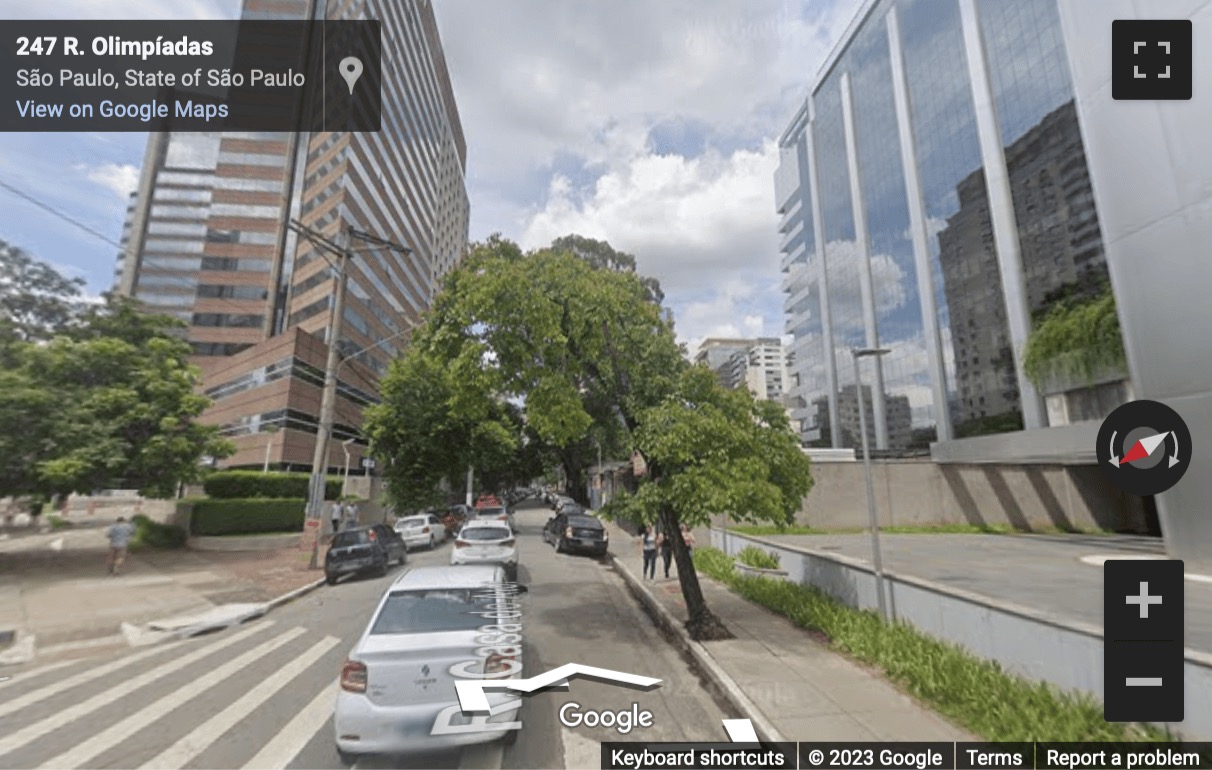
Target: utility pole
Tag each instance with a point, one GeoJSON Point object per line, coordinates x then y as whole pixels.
{"type": "Point", "coordinates": [328, 401]}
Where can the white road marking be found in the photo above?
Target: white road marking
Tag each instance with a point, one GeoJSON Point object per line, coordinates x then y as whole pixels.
{"type": "Point", "coordinates": [42, 693]}
{"type": "Point", "coordinates": [741, 731]}
{"type": "Point", "coordinates": [94, 745]}
{"type": "Point", "coordinates": [193, 744]}
{"type": "Point", "coordinates": [297, 733]}
{"type": "Point", "coordinates": [8, 681]}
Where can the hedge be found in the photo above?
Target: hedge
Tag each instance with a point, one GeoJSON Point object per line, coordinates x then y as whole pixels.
{"type": "Point", "coordinates": [153, 534]}
{"type": "Point", "coordinates": [242, 517]}
{"type": "Point", "coordinates": [242, 485]}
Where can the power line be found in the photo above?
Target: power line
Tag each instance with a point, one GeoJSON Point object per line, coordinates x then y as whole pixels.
{"type": "Point", "coordinates": [125, 251]}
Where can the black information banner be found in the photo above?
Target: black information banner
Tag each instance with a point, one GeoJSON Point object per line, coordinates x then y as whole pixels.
{"type": "Point", "coordinates": [907, 756]}
{"type": "Point", "coordinates": [698, 756]}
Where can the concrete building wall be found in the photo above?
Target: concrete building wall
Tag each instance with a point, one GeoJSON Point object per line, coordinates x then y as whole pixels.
{"type": "Point", "coordinates": [921, 493]}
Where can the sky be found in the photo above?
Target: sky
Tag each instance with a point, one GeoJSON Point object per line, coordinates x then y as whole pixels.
{"type": "Point", "coordinates": [650, 124]}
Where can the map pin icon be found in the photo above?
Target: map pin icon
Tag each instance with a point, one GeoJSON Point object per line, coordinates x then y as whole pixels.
{"type": "Point", "coordinates": [351, 70]}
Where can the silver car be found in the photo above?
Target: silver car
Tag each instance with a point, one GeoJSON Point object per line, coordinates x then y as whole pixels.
{"type": "Point", "coordinates": [487, 542]}
{"type": "Point", "coordinates": [424, 530]}
{"type": "Point", "coordinates": [397, 688]}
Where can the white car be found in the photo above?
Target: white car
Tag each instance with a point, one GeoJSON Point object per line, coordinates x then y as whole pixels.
{"type": "Point", "coordinates": [397, 687]}
{"type": "Point", "coordinates": [422, 530]}
{"type": "Point", "coordinates": [486, 542]}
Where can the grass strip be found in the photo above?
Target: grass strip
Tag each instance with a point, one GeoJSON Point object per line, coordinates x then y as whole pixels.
{"type": "Point", "coordinates": [931, 529]}
{"type": "Point", "coordinates": [974, 693]}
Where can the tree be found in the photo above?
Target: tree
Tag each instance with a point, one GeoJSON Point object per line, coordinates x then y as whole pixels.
{"type": "Point", "coordinates": [124, 408]}
{"type": "Point", "coordinates": [35, 299]}
{"type": "Point", "coordinates": [429, 430]}
{"type": "Point", "coordinates": [713, 450]}
{"type": "Point", "coordinates": [601, 255]}
{"type": "Point", "coordinates": [590, 355]}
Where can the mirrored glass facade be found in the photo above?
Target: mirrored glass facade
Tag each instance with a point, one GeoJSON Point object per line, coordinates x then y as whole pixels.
{"type": "Point", "coordinates": [1038, 148]}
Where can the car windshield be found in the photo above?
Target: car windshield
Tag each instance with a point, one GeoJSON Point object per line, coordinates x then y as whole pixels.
{"type": "Point", "coordinates": [413, 521]}
{"type": "Point", "coordinates": [584, 522]}
{"type": "Point", "coordinates": [485, 533]}
{"type": "Point", "coordinates": [429, 611]}
{"type": "Point", "coordinates": [351, 537]}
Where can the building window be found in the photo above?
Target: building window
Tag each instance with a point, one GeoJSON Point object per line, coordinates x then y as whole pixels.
{"type": "Point", "coordinates": [228, 320]}
{"type": "Point", "coordinates": [210, 290]}
{"type": "Point", "coordinates": [228, 264]}
{"type": "Point", "coordinates": [219, 348]}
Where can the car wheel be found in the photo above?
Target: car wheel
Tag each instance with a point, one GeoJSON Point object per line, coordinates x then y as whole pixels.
{"type": "Point", "coordinates": [381, 567]}
{"type": "Point", "coordinates": [511, 573]}
{"type": "Point", "coordinates": [347, 759]}
{"type": "Point", "coordinates": [433, 542]}
{"type": "Point", "coordinates": [330, 579]}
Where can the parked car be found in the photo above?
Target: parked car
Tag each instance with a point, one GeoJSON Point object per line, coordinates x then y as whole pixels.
{"type": "Point", "coordinates": [396, 682]}
{"type": "Point", "coordinates": [486, 542]}
{"type": "Point", "coordinates": [570, 532]}
{"type": "Point", "coordinates": [363, 549]}
{"type": "Point", "coordinates": [495, 513]}
{"type": "Point", "coordinates": [422, 530]}
{"type": "Point", "coordinates": [564, 501]}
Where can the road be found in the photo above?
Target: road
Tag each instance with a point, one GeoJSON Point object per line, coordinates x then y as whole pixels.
{"type": "Point", "coordinates": [261, 695]}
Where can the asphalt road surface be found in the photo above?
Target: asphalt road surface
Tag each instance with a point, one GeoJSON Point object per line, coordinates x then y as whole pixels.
{"type": "Point", "coordinates": [261, 695]}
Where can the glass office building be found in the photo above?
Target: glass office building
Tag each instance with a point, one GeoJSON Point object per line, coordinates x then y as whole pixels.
{"type": "Point", "coordinates": [935, 201]}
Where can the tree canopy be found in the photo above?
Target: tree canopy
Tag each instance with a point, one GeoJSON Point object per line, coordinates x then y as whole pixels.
{"type": "Point", "coordinates": [580, 341]}
{"type": "Point", "coordinates": [36, 300]}
{"type": "Point", "coordinates": [96, 397]}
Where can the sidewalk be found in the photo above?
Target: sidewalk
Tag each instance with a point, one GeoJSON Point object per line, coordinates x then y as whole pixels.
{"type": "Point", "coordinates": [795, 683]}
{"type": "Point", "coordinates": [54, 586]}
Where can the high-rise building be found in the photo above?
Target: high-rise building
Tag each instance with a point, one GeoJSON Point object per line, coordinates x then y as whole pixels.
{"type": "Point", "coordinates": [900, 430]}
{"type": "Point", "coordinates": [716, 354]}
{"type": "Point", "coordinates": [762, 368]}
{"type": "Point", "coordinates": [936, 201]}
{"type": "Point", "coordinates": [209, 242]}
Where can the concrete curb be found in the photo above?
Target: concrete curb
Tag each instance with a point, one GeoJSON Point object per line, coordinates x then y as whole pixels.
{"type": "Point", "coordinates": [718, 676]}
{"type": "Point", "coordinates": [290, 596]}
{"type": "Point", "coordinates": [20, 651]}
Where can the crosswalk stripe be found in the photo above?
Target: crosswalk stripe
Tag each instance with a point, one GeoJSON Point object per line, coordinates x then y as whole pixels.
{"type": "Point", "coordinates": [16, 740]}
{"type": "Point", "coordinates": [12, 679]}
{"type": "Point", "coordinates": [94, 745]}
{"type": "Point", "coordinates": [42, 693]}
{"type": "Point", "coordinates": [214, 728]}
{"type": "Point", "coordinates": [297, 733]}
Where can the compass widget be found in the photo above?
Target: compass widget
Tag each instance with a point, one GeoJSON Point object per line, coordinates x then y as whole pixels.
{"type": "Point", "coordinates": [1144, 447]}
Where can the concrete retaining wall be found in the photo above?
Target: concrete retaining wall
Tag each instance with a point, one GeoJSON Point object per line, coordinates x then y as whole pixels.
{"type": "Point", "coordinates": [920, 491]}
{"type": "Point", "coordinates": [1032, 644]}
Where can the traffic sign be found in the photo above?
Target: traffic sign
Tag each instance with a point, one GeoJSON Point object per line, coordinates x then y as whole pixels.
{"type": "Point", "coordinates": [368, 463]}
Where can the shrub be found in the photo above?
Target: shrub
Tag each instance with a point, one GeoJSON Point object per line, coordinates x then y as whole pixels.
{"type": "Point", "coordinates": [57, 522]}
{"type": "Point", "coordinates": [242, 485]}
{"type": "Point", "coordinates": [241, 517]}
{"type": "Point", "coordinates": [153, 534]}
{"type": "Point", "coordinates": [755, 557]}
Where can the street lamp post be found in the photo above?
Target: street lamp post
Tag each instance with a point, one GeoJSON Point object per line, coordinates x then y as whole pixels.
{"type": "Point", "coordinates": [873, 519]}
{"type": "Point", "coordinates": [597, 489]}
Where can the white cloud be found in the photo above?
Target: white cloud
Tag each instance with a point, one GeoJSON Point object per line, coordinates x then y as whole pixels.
{"type": "Point", "coordinates": [120, 178]}
{"type": "Point", "coordinates": [120, 9]}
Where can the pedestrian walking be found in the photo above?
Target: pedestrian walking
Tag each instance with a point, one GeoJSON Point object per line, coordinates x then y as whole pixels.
{"type": "Point", "coordinates": [336, 516]}
{"type": "Point", "coordinates": [648, 545]}
{"type": "Point", "coordinates": [666, 552]}
{"type": "Point", "coordinates": [119, 534]}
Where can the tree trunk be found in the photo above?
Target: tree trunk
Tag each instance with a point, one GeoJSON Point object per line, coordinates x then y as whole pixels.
{"type": "Point", "coordinates": [574, 473]}
{"type": "Point", "coordinates": [703, 625]}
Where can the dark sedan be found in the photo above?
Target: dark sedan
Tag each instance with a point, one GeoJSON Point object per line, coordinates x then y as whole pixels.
{"type": "Point", "coordinates": [577, 532]}
{"type": "Point", "coordinates": [364, 549]}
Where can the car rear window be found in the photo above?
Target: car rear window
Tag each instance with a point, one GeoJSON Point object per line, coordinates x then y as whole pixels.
{"type": "Point", "coordinates": [485, 533]}
{"type": "Point", "coordinates": [584, 522]}
{"type": "Point", "coordinates": [352, 537]}
{"type": "Point", "coordinates": [414, 521]}
{"type": "Point", "coordinates": [490, 511]}
{"type": "Point", "coordinates": [429, 611]}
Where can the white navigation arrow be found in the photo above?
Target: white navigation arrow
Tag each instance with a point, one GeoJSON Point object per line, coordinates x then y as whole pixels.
{"type": "Point", "coordinates": [1174, 457]}
{"type": "Point", "coordinates": [473, 700]}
